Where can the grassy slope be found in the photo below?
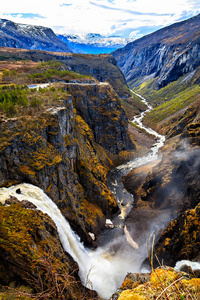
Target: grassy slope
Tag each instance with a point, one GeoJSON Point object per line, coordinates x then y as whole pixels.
{"type": "Point", "coordinates": [170, 99]}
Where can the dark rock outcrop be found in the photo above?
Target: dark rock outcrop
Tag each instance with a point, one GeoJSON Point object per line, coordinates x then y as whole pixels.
{"type": "Point", "coordinates": [181, 239]}
{"type": "Point", "coordinates": [24, 203]}
{"type": "Point", "coordinates": [100, 107]}
{"type": "Point", "coordinates": [29, 37]}
{"type": "Point", "coordinates": [166, 54]}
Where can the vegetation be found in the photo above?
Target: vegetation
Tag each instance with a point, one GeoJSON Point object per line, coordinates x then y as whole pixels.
{"type": "Point", "coordinates": [164, 284]}
{"type": "Point", "coordinates": [27, 72]}
{"type": "Point", "coordinates": [12, 97]}
{"type": "Point", "coordinates": [42, 270]}
{"type": "Point", "coordinates": [19, 100]}
{"type": "Point", "coordinates": [170, 99]}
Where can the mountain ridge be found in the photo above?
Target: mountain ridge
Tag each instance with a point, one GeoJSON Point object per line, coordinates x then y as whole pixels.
{"type": "Point", "coordinates": [165, 54]}
{"type": "Point", "coordinates": [25, 36]}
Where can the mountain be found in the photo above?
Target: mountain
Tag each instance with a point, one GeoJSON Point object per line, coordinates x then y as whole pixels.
{"type": "Point", "coordinates": [93, 43]}
{"type": "Point", "coordinates": [165, 54]}
{"type": "Point", "coordinates": [29, 37]}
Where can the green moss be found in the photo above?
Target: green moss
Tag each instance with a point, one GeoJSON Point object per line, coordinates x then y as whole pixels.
{"type": "Point", "coordinates": [170, 107]}
{"type": "Point", "coordinates": [30, 253]}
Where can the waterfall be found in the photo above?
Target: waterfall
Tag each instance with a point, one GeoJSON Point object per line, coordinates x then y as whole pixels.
{"type": "Point", "coordinates": [98, 270]}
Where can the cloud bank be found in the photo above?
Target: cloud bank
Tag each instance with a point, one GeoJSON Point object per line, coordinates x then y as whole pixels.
{"type": "Point", "coordinates": [129, 18]}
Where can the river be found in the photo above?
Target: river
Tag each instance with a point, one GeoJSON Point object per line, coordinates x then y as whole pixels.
{"type": "Point", "coordinates": [122, 197]}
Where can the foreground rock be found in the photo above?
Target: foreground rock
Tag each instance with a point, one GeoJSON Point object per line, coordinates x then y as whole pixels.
{"type": "Point", "coordinates": [31, 255]}
{"type": "Point", "coordinates": [162, 283]}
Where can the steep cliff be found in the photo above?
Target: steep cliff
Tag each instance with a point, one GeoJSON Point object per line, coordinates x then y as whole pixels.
{"type": "Point", "coordinates": [175, 245]}
{"type": "Point", "coordinates": [165, 54]}
{"type": "Point", "coordinates": [108, 125]}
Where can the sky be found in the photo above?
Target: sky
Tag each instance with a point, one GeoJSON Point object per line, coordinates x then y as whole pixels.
{"type": "Point", "coordinates": [127, 18]}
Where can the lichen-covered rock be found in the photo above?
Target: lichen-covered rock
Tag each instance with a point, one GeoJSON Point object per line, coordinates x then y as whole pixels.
{"type": "Point", "coordinates": [163, 283]}
{"type": "Point", "coordinates": [101, 109]}
{"type": "Point", "coordinates": [31, 255]}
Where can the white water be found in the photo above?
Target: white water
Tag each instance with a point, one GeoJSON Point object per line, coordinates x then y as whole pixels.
{"type": "Point", "coordinates": [193, 264]}
{"type": "Point", "coordinates": [138, 121]}
{"type": "Point", "coordinates": [98, 269]}
{"type": "Point", "coordinates": [122, 197]}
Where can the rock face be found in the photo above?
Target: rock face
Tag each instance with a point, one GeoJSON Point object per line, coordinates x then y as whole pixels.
{"type": "Point", "coordinates": [166, 54]}
{"type": "Point", "coordinates": [175, 245]}
{"type": "Point", "coordinates": [29, 37]}
{"type": "Point", "coordinates": [31, 255]}
{"type": "Point", "coordinates": [59, 152]}
{"type": "Point", "coordinates": [99, 106]}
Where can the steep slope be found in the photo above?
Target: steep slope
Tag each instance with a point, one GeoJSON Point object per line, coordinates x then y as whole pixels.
{"type": "Point", "coordinates": [165, 54]}
{"type": "Point", "coordinates": [29, 37]}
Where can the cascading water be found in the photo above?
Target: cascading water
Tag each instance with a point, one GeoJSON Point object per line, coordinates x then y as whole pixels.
{"type": "Point", "coordinates": [98, 269]}
{"type": "Point", "coordinates": [103, 269]}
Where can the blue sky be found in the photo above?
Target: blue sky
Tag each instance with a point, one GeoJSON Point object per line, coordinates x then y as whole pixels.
{"type": "Point", "coordinates": [128, 18]}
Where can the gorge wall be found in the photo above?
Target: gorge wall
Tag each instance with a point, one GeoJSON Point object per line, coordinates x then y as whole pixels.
{"type": "Point", "coordinates": [166, 54]}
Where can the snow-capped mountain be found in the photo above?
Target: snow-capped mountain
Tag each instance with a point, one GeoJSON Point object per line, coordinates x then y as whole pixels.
{"type": "Point", "coordinates": [29, 37]}
{"type": "Point", "coordinates": [93, 42]}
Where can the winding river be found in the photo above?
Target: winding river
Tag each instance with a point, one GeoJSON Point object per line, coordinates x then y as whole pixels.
{"type": "Point", "coordinates": [123, 198]}
{"type": "Point", "coordinates": [102, 269]}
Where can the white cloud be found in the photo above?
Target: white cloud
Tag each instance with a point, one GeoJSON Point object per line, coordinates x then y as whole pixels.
{"type": "Point", "coordinates": [101, 16]}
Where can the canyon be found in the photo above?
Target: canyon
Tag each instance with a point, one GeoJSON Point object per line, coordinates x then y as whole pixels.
{"type": "Point", "coordinates": [72, 142]}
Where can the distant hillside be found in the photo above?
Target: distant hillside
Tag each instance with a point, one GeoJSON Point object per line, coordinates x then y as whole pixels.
{"type": "Point", "coordinates": [166, 54]}
{"type": "Point", "coordinates": [93, 43]}
{"type": "Point", "coordinates": [103, 67]}
{"type": "Point", "coordinates": [29, 37]}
